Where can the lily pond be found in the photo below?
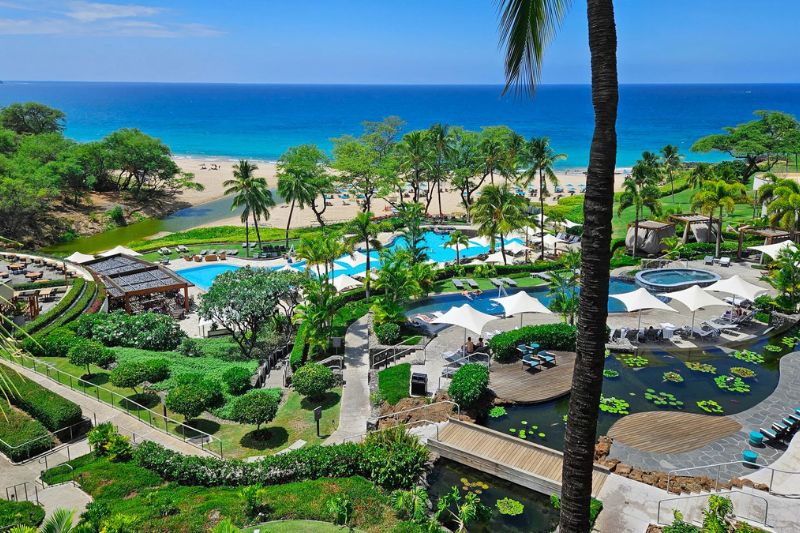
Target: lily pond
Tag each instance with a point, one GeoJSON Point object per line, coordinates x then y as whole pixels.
{"type": "Point", "coordinates": [717, 381]}
{"type": "Point", "coordinates": [522, 509]}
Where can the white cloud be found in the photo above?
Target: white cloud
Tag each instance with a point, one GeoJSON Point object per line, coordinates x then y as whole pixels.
{"type": "Point", "coordinates": [93, 11]}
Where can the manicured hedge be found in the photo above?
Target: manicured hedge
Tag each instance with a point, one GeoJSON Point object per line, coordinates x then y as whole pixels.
{"type": "Point", "coordinates": [53, 343]}
{"type": "Point", "coordinates": [502, 270]}
{"type": "Point", "coordinates": [45, 318]}
{"type": "Point", "coordinates": [53, 411]}
{"type": "Point", "coordinates": [298, 355]}
{"type": "Point", "coordinates": [22, 437]}
{"type": "Point", "coordinates": [42, 284]}
{"type": "Point", "coordinates": [76, 310]}
{"type": "Point", "coordinates": [399, 465]}
{"type": "Point", "coordinates": [20, 514]}
{"type": "Point", "coordinates": [469, 384]}
{"type": "Point", "coordinates": [548, 336]}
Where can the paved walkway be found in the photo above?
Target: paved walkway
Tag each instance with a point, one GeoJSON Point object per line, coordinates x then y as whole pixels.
{"type": "Point", "coordinates": [355, 408]}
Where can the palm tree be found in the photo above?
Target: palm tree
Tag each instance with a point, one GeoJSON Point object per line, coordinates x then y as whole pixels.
{"type": "Point", "coordinates": [317, 312]}
{"type": "Point", "coordinates": [640, 190]}
{"type": "Point", "coordinates": [784, 208]}
{"type": "Point", "coordinates": [720, 195]}
{"type": "Point", "coordinates": [415, 155]}
{"type": "Point", "coordinates": [437, 136]}
{"type": "Point", "coordinates": [786, 276]}
{"type": "Point", "coordinates": [564, 294]}
{"type": "Point", "coordinates": [498, 210]}
{"type": "Point", "coordinates": [542, 158]}
{"type": "Point", "coordinates": [412, 217]}
{"type": "Point", "coordinates": [491, 153]}
{"type": "Point", "coordinates": [365, 231]}
{"type": "Point", "coordinates": [671, 161]}
{"type": "Point", "coordinates": [295, 182]}
{"type": "Point", "coordinates": [526, 27]}
{"type": "Point", "coordinates": [701, 173]}
{"type": "Point", "coordinates": [457, 240]}
{"type": "Point", "coordinates": [251, 193]}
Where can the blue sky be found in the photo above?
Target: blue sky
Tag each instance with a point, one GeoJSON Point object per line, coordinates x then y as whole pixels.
{"type": "Point", "coordinates": [382, 41]}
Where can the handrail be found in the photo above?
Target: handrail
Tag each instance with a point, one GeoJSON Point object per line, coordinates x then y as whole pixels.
{"type": "Point", "coordinates": [719, 466]}
{"type": "Point", "coordinates": [395, 348]}
{"type": "Point", "coordinates": [458, 409]}
{"type": "Point", "coordinates": [429, 422]}
{"type": "Point", "coordinates": [688, 497]}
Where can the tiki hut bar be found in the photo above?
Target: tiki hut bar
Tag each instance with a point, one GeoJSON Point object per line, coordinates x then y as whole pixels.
{"type": "Point", "coordinates": [698, 225]}
{"type": "Point", "coordinates": [137, 285]}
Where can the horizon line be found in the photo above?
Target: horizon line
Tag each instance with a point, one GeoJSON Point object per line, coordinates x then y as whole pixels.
{"type": "Point", "coordinates": [398, 84]}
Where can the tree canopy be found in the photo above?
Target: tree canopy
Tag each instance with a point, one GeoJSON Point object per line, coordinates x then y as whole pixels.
{"type": "Point", "coordinates": [32, 118]}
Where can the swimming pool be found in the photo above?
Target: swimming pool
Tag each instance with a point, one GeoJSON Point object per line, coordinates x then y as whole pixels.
{"type": "Point", "coordinates": [666, 279]}
{"type": "Point", "coordinates": [484, 302]}
{"type": "Point", "coordinates": [203, 276]}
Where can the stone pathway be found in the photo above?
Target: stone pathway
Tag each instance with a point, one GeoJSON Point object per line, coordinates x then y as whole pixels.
{"type": "Point", "coordinates": [355, 407]}
{"type": "Point", "coordinates": [783, 400]}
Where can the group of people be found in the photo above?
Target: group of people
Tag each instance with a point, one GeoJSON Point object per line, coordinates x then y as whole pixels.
{"type": "Point", "coordinates": [472, 347]}
{"type": "Point", "coordinates": [469, 294]}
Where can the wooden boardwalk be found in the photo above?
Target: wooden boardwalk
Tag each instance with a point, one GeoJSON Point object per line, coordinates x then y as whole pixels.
{"type": "Point", "coordinates": [513, 383]}
{"type": "Point", "coordinates": [671, 431]}
{"type": "Point", "coordinates": [525, 463]}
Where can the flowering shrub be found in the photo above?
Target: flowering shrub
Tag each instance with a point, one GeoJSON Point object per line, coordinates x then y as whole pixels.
{"type": "Point", "coordinates": [548, 336]}
{"type": "Point", "coordinates": [148, 331]}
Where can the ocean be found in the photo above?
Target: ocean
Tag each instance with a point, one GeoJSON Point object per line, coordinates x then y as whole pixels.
{"type": "Point", "coordinates": [262, 121]}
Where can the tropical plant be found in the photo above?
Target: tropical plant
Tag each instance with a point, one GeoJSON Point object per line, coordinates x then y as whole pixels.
{"type": "Point", "coordinates": [468, 384]}
{"type": "Point", "coordinates": [563, 294]}
{"type": "Point", "coordinates": [363, 230]}
{"type": "Point", "coordinates": [341, 510]}
{"type": "Point", "coordinates": [640, 191]}
{"type": "Point", "coordinates": [250, 193]}
{"type": "Point", "coordinates": [497, 411]}
{"type": "Point", "coordinates": [87, 352]}
{"type": "Point", "coordinates": [411, 504]}
{"type": "Point", "coordinates": [317, 312]}
{"type": "Point", "coordinates": [412, 216]}
{"type": "Point", "coordinates": [720, 195]}
{"type": "Point", "coordinates": [614, 406]}
{"type": "Point", "coordinates": [701, 173]}
{"type": "Point", "coordinates": [509, 507]}
{"type": "Point", "coordinates": [671, 160]}
{"type": "Point", "coordinates": [786, 276]}
{"type": "Point", "coordinates": [439, 140]}
{"type": "Point", "coordinates": [415, 157]}
{"type": "Point", "coordinates": [541, 159]}
{"type": "Point", "coordinates": [313, 380]}
{"type": "Point", "coordinates": [499, 210]}
{"type": "Point", "coordinates": [461, 510]}
{"type": "Point", "coordinates": [457, 240]}
{"type": "Point", "coordinates": [298, 170]}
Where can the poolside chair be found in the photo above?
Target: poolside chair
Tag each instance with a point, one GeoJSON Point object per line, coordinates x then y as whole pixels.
{"type": "Point", "coordinates": [547, 357]}
{"type": "Point", "coordinates": [725, 262]}
{"type": "Point", "coordinates": [780, 429]}
{"type": "Point", "coordinates": [508, 281]}
{"type": "Point", "coordinates": [529, 362]}
{"type": "Point", "coordinates": [769, 435]}
{"type": "Point", "coordinates": [708, 260]}
{"type": "Point", "coordinates": [203, 252]}
{"type": "Point", "coordinates": [496, 282]}
{"type": "Point", "coordinates": [457, 284]}
{"type": "Point", "coordinates": [472, 283]}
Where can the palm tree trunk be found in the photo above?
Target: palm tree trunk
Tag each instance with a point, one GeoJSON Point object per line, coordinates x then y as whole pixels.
{"type": "Point", "coordinates": [289, 223]}
{"type": "Point", "coordinates": [587, 378]}
{"type": "Point", "coordinates": [635, 229]}
{"type": "Point", "coordinates": [439, 194]}
{"type": "Point", "coordinates": [541, 208]}
{"type": "Point", "coordinates": [247, 236]}
{"type": "Point", "coordinates": [503, 248]}
{"type": "Point", "coordinates": [258, 233]}
{"type": "Point", "coordinates": [672, 184]}
{"type": "Point", "coordinates": [458, 255]}
{"type": "Point", "coordinates": [719, 234]}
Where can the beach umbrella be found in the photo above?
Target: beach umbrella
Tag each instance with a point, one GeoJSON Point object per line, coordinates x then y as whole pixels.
{"type": "Point", "coordinates": [736, 286]}
{"type": "Point", "coordinates": [521, 302]}
{"type": "Point", "coordinates": [120, 250]}
{"type": "Point", "coordinates": [345, 282]}
{"type": "Point", "coordinates": [353, 260]}
{"type": "Point", "coordinates": [773, 250]}
{"type": "Point", "coordinates": [79, 258]}
{"type": "Point", "coordinates": [571, 224]}
{"type": "Point", "coordinates": [695, 298]}
{"type": "Point", "coordinates": [466, 317]}
{"type": "Point", "coordinates": [639, 300]}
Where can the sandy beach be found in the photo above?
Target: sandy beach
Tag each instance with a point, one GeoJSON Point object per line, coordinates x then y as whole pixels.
{"type": "Point", "coordinates": [213, 171]}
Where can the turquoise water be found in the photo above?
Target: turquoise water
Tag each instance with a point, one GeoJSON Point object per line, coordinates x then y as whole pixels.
{"type": "Point", "coordinates": [262, 121]}
{"type": "Point", "coordinates": [203, 276]}
{"type": "Point", "coordinates": [678, 277]}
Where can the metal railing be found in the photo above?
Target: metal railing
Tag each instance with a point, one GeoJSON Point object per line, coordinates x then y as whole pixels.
{"type": "Point", "coordinates": [64, 435]}
{"type": "Point", "coordinates": [392, 354]}
{"type": "Point", "coordinates": [158, 421]}
{"type": "Point", "coordinates": [719, 468]}
{"type": "Point", "coordinates": [360, 436]}
{"type": "Point", "coordinates": [686, 511]}
{"type": "Point", "coordinates": [451, 366]}
{"type": "Point", "coordinates": [13, 493]}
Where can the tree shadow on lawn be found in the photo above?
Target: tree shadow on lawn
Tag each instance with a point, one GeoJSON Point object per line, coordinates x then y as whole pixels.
{"type": "Point", "coordinates": [191, 428]}
{"type": "Point", "coordinates": [326, 401]}
{"type": "Point", "coordinates": [265, 438]}
{"type": "Point", "coordinates": [97, 378]}
{"type": "Point", "coordinates": [141, 399]}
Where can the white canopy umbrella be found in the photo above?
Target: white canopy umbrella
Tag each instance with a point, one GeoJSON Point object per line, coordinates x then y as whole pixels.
{"type": "Point", "coordinates": [641, 299]}
{"type": "Point", "coordinates": [541, 218]}
{"type": "Point", "coordinates": [516, 248]}
{"type": "Point", "coordinates": [120, 250]}
{"type": "Point", "coordinates": [79, 258]}
{"type": "Point", "coordinates": [353, 260]}
{"type": "Point", "coordinates": [571, 224]}
{"type": "Point", "coordinates": [521, 302]}
{"type": "Point", "coordinates": [466, 317]}
{"type": "Point", "coordinates": [363, 275]}
{"type": "Point", "coordinates": [287, 268]}
{"type": "Point", "coordinates": [773, 250]}
{"type": "Point", "coordinates": [480, 240]}
{"type": "Point", "coordinates": [497, 257]}
{"type": "Point", "coordinates": [736, 286]}
{"type": "Point", "coordinates": [695, 298]}
{"type": "Point", "coordinates": [345, 282]}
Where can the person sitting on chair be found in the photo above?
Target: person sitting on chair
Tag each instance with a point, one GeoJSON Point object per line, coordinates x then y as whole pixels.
{"type": "Point", "coordinates": [480, 345]}
{"type": "Point", "coordinates": [469, 347]}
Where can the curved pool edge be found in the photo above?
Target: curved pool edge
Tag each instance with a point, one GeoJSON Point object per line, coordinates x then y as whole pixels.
{"type": "Point", "coordinates": [668, 287]}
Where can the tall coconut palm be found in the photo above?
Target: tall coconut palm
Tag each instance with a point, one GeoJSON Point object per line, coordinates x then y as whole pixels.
{"type": "Point", "coordinates": [526, 27]}
{"type": "Point", "coordinates": [700, 174]}
{"type": "Point", "coordinates": [671, 161]}
{"type": "Point", "coordinates": [415, 154]}
{"type": "Point", "coordinates": [363, 230]}
{"type": "Point", "coordinates": [499, 210]}
{"type": "Point", "coordinates": [296, 176]}
{"type": "Point", "coordinates": [437, 136]}
{"type": "Point", "coordinates": [720, 195]}
{"type": "Point", "coordinates": [640, 190]}
{"type": "Point", "coordinates": [541, 159]}
{"type": "Point", "coordinates": [457, 240]}
{"type": "Point", "coordinates": [251, 193]}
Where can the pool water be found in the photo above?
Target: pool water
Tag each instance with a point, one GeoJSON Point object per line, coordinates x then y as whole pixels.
{"type": "Point", "coordinates": [484, 303]}
{"type": "Point", "coordinates": [633, 382]}
{"type": "Point", "coordinates": [675, 278]}
{"type": "Point", "coordinates": [203, 276]}
{"type": "Point", "coordinates": [538, 515]}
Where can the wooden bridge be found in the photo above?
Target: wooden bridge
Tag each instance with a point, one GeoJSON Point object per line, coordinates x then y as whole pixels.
{"type": "Point", "coordinates": [508, 457]}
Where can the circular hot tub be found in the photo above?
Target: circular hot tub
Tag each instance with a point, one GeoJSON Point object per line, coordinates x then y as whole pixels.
{"type": "Point", "coordinates": [672, 279]}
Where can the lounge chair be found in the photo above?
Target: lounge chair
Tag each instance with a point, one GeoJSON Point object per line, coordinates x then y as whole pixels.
{"type": "Point", "coordinates": [780, 429]}
{"type": "Point", "coordinates": [547, 357]}
{"type": "Point", "coordinates": [472, 283]}
{"type": "Point", "coordinates": [768, 434]}
{"type": "Point", "coordinates": [709, 260]}
{"type": "Point", "coordinates": [508, 281]}
{"type": "Point", "coordinates": [725, 262]}
{"type": "Point", "coordinates": [457, 284]}
{"type": "Point", "coordinates": [720, 325]}
{"type": "Point", "coordinates": [203, 252]}
{"type": "Point", "coordinates": [530, 362]}
{"type": "Point", "coordinates": [496, 282]}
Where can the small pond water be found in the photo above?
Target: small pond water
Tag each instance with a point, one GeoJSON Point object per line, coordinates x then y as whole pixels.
{"type": "Point", "coordinates": [544, 423]}
{"type": "Point", "coordinates": [538, 515]}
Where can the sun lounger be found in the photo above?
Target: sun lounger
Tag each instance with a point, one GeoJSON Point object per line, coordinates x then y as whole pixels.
{"type": "Point", "coordinates": [720, 326]}
{"type": "Point", "coordinates": [725, 262]}
{"type": "Point", "coordinates": [457, 284]}
{"type": "Point", "coordinates": [203, 252]}
{"type": "Point", "coordinates": [496, 282]}
{"type": "Point", "coordinates": [547, 357]}
{"type": "Point", "coordinates": [780, 428]}
{"type": "Point", "coordinates": [708, 260]}
{"type": "Point", "coordinates": [769, 435]}
{"type": "Point", "coordinates": [508, 281]}
{"type": "Point", "coordinates": [472, 283]}
{"type": "Point", "coordinates": [529, 362]}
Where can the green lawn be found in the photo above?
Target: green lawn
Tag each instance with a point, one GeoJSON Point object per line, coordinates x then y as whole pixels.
{"type": "Point", "coordinates": [20, 513]}
{"type": "Point", "coordinates": [523, 280]}
{"type": "Point", "coordinates": [299, 526]}
{"type": "Point", "coordinates": [126, 488]}
{"type": "Point", "coordinates": [394, 382]}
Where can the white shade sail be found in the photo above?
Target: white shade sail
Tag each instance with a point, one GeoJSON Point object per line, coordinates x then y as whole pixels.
{"type": "Point", "coordinates": [540, 219]}
{"type": "Point", "coordinates": [736, 286]}
{"type": "Point", "coordinates": [353, 260]}
{"type": "Point", "coordinates": [120, 250]}
{"type": "Point", "coordinates": [773, 250]}
{"type": "Point", "coordinates": [466, 317]}
{"type": "Point", "coordinates": [515, 248]}
{"type": "Point", "coordinates": [79, 258]}
{"type": "Point", "coordinates": [345, 282]}
{"type": "Point", "coordinates": [480, 240]}
{"type": "Point", "coordinates": [497, 257]}
{"type": "Point", "coordinates": [571, 224]}
{"type": "Point", "coordinates": [551, 240]}
{"type": "Point", "coordinates": [641, 299]}
{"type": "Point", "coordinates": [286, 268]}
{"type": "Point", "coordinates": [696, 298]}
{"type": "Point", "coordinates": [521, 302]}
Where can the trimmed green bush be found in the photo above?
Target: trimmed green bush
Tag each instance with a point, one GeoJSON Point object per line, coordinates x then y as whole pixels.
{"type": "Point", "coordinates": [388, 333]}
{"type": "Point", "coordinates": [80, 308]}
{"type": "Point", "coordinates": [188, 399]}
{"type": "Point", "coordinates": [313, 380]}
{"type": "Point", "coordinates": [549, 337]}
{"type": "Point", "coordinates": [55, 343]}
{"type": "Point", "coordinates": [298, 354]}
{"type": "Point", "coordinates": [394, 383]}
{"type": "Point", "coordinates": [131, 374]}
{"type": "Point", "coordinates": [190, 347]}
{"type": "Point", "coordinates": [88, 352]}
{"type": "Point", "coordinates": [45, 318]}
{"type": "Point", "coordinates": [237, 380]}
{"type": "Point", "coordinates": [20, 514]}
{"type": "Point", "coordinates": [53, 411]}
{"type": "Point", "coordinates": [148, 331]}
{"type": "Point", "coordinates": [22, 437]}
{"type": "Point", "coordinates": [256, 406]}
{"type": "Point", "coordinates": [468, 384]}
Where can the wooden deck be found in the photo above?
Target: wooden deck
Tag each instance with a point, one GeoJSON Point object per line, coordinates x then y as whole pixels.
{"type": "Point", "coordinates": [525, 463]}
{"type": "Point", "coordinates": [513, 383]}
{"type": "Point", "coordinates": [671, 431]}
